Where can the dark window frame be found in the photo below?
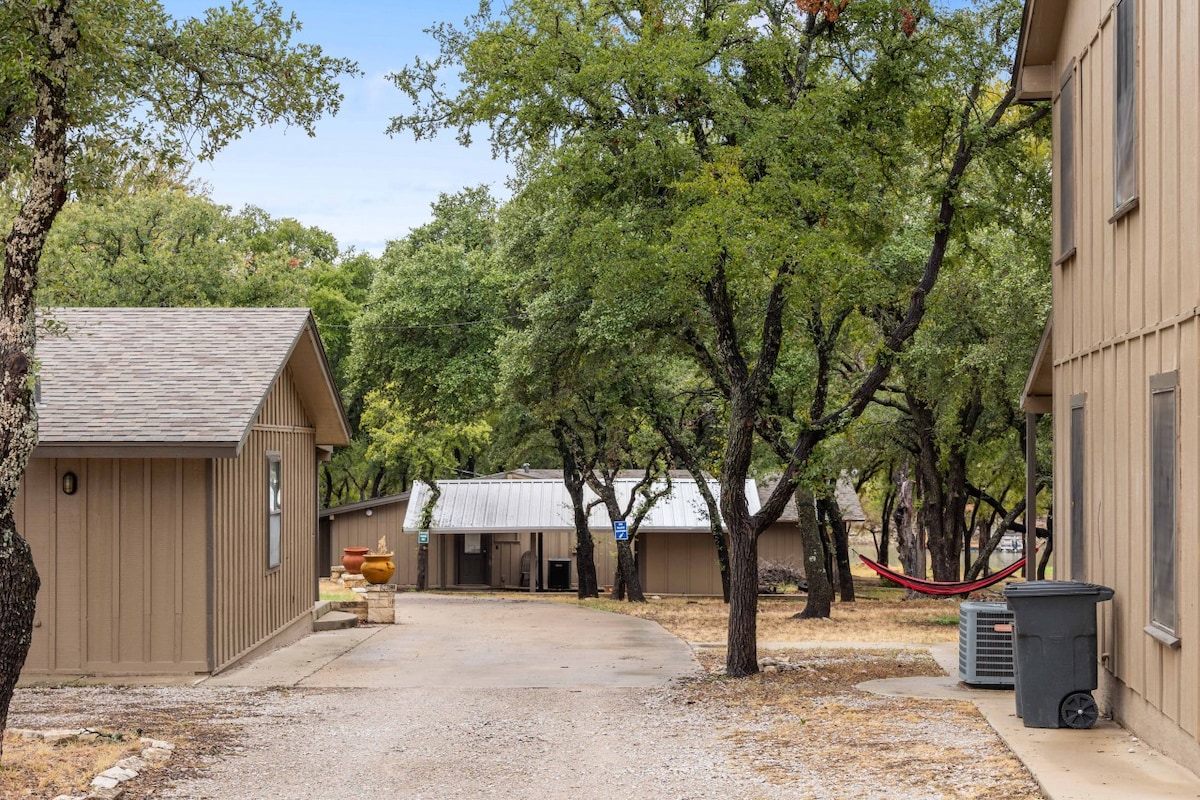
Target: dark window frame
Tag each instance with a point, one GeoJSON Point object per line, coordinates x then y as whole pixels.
{"type": "Point", "coordinates": [1125, 117]}
{"type": "Point", "coordinates": [1078, 486]}
{"type": "Point", "coordinates": [1065, 106]}
{"type": "Point", "coordinates": [1164, 508]}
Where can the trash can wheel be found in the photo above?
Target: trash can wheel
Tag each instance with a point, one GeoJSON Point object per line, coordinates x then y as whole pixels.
{"type": "Point", "coordinates": [1079, 710]}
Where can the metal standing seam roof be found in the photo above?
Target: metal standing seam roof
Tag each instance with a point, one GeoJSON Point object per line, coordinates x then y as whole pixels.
{"type": "Point", "coordinates": [544, 505]}
{"type": "Point", "coordinates": [186, 377]}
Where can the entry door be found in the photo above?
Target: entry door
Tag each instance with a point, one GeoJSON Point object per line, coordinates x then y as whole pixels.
{"type": "Point", "coordinates": [472, 551]}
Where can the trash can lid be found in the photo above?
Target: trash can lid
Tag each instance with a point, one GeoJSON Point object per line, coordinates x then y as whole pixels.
{"type": "Point", "coordinates": [1057, 588]}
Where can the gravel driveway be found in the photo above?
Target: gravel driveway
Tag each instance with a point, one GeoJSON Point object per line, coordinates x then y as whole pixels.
{"type": "Point", "coordinates": [467, 698]}
{"type": "Point", "coordinates": [479, 698]}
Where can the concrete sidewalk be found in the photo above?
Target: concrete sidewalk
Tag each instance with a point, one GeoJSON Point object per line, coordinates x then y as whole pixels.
{"type": "Point", "coordinates": [1103, 763]}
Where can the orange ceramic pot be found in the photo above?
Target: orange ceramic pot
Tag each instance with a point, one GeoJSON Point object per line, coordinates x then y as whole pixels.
{"type": "Point", "coordinates": [352, 559]}
{"type": "Point", "coordinates": [378, 567]}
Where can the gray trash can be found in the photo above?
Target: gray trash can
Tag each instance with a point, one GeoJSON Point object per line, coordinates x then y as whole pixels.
{"type": "Point", "coordinates": [1055, 658]}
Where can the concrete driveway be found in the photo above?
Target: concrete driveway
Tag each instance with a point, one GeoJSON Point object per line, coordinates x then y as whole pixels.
{"type": "Point", "coordinates": [471, 642]}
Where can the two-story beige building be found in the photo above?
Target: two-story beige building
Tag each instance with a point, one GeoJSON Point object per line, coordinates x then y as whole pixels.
{"type": "Point", "coordinates": [1119, 368]}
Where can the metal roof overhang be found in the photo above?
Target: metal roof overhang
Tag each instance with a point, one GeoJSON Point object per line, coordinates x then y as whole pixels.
{"type": "Point", "coordinates": [505, 506]}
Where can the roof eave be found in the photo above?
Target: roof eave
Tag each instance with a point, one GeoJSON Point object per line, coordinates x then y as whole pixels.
{"type": "Point", "coordinates": [1033, 73]}
{"type": "Point", "coordinates": [1038, 395]}
{"type": "Point", "coordinates": [137, 450]}
{"type": "Point", "coordinates": [324, 405]}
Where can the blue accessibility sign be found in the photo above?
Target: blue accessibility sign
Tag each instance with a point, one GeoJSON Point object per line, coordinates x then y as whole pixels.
{"type": "Point", "coordinates": [621, 531]}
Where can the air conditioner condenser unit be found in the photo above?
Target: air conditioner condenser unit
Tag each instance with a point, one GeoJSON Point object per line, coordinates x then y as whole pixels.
{"type": "Point", "coordinates": [985, 644]}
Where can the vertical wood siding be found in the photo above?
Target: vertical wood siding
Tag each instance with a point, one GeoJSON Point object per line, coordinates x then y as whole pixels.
{"type": "Point", "coordinates": [122, 563]}
{"type": "Point", "coordinates": [1126, 309]}
{"type": "Point", "coordinates": [686, 563]}
{"type": "Point", "coordinates": [252, 603]}
{"type": "Point", "coordinates": [356, 529]}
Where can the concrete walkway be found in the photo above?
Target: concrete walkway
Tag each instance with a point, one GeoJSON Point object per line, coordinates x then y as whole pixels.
{"type": "Point", "coordinates": [1103, 763]}
{"type": "Point", "coordinates": [446, 641]}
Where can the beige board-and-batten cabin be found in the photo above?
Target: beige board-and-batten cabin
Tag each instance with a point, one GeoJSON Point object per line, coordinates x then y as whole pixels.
{"type": "Point", "coordinates": [521, 534]}
{"type": "Point", "coordinates": [1119, 368]}
{"type": "Point", "coordinates": [171, 503]}
{"type": "Point", "coordinates": [363, 524]}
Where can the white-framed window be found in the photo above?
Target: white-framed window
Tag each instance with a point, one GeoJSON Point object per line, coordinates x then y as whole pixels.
{"type": "Point", "coordinates": [274, 510]}
{"type": "Point", "coordinates": [1125, 127]}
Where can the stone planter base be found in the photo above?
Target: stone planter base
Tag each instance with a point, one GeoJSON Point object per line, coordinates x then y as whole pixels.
{"type": "Point", "coordinates": [381, 603]}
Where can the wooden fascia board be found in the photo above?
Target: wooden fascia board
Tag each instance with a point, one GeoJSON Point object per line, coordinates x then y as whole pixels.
{"type": "Point", "coordinates": [137, 450]}
{"type": "Point", "coordinates": [1038, 395]}
{"type": "Point", "coordinates": [1033, 73]}
{"type": "Point", "coordinates": [324, 404]}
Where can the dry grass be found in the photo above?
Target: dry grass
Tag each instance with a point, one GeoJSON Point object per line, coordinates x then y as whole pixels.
{"type": "Point", "coordinates": [199, 728]}
{"type": "Point", "coordinates": [878, 615]}
{"type": "Point", "coordinates": [332, 591]}
{"type": "Point", "coordinates": [810, 718]}
{"type": "Point", "coordinates": [33, 768]}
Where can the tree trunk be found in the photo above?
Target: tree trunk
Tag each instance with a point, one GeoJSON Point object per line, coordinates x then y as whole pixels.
{"type": "Point", "coordinates": [742, 655]}
{"type": "Point", "coordinates": [627, 572]}
{"type": "Point", "coordinates": [882, 548]}
{"type": "Point", "coordinates": [585, 560]}
{"type": "Point", "coordinates": [585, 547]}
{"type": "Point", "coordinates": [435, 493]}
{"type": "Point", "coordinates": [820, 589]}
{"type": "Point", "coordinates": [19, 581]}
{"type": "Point", "coordinates": [908, 539]}
{"type": "Point", "coordinates": [841, 547]}
{"type": "Point", "coordinates": [422, 567]}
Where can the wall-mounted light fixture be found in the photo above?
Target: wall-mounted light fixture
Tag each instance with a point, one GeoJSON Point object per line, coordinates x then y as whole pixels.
{"type": "Point", "coordinates": [70, 483]}
{"type": "Point", "coordinates": [369, 512]}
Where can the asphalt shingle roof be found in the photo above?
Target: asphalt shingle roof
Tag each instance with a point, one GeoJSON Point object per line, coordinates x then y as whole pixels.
{"type": "Point", "coordinates": [159, 375]}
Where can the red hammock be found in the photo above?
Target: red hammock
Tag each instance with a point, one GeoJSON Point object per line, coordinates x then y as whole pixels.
{"type": "Point", "coordinates": [943, 588]}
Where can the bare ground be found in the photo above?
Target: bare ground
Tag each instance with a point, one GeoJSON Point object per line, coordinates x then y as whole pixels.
{"type": "Point", "coordinates": [801, 732]}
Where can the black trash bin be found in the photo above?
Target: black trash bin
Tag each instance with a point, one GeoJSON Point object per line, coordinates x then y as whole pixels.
{"type": "Point", "coordinates": [1055, 651]}
{"type": "Point", "coordinates": [558, 574]}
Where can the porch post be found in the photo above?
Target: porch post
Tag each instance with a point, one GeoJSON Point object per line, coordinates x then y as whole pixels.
{"type": "Point", "coordinates": [534, 556]}
{"type": "Point", "coordinates": [1031, 420]}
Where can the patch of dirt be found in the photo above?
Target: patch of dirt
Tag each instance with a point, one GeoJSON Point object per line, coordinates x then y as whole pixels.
{"type": "Point", "coordinates": [203, 725]}
{"type": "Point", "coordinates": [810, 713]}
{"type": "Point", "coordinates": [35, 768]}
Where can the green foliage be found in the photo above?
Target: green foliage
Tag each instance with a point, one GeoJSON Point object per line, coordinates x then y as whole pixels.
{"type": "Point", "coordinates": [146, 86]}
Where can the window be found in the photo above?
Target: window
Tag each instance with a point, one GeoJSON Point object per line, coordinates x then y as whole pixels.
{"type": "Point", "coordinates": [1163, 479]}
{"type": "Point", "coordinates": [1125, 114]}
{"type": "Point", "coordinates": [1078, 541]}
{"type": "Point", "coordinates": [274, 510]}
{"type": "Point", "coordinates": [1065, 212]}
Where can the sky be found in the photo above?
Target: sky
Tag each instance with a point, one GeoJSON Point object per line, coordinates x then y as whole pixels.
{"type": "Point", "coordinates": [352, 179]}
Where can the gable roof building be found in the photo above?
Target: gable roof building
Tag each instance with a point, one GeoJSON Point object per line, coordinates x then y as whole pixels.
{"type": "Point", "coordinates": [171, 501]}
{"type": "Point", "coordinates": [189, 381]}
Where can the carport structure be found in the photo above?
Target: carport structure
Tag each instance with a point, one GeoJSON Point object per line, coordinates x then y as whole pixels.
{"type": "Point", "coordinates": [494, 533]}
